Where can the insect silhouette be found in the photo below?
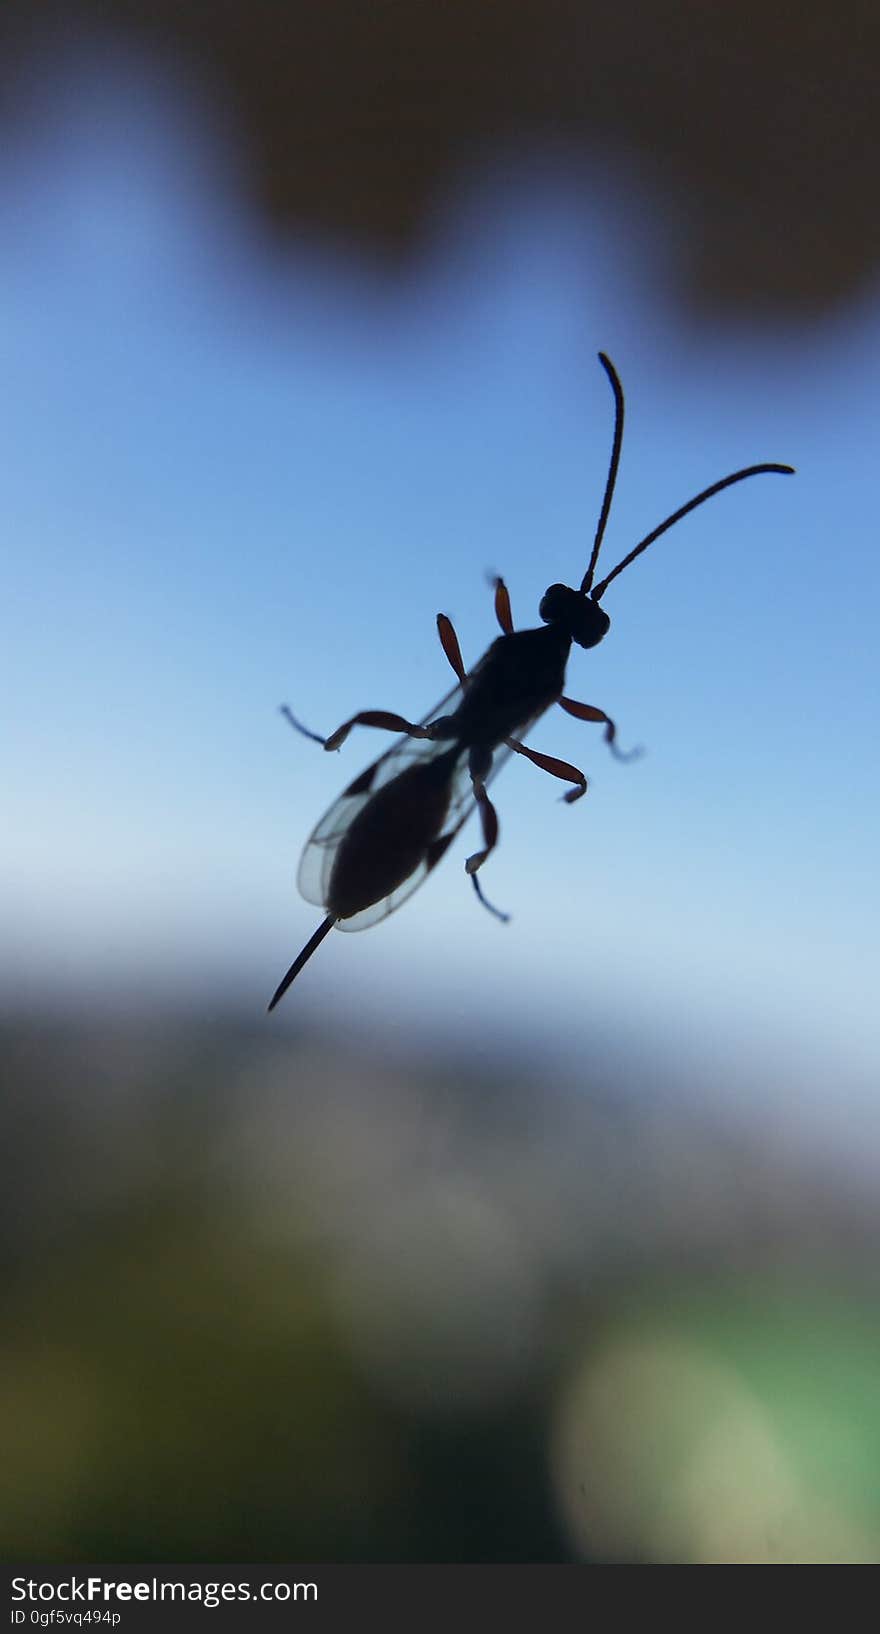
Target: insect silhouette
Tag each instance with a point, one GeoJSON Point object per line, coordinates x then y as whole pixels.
{"type": "Point", "coordinates": [392, 825]}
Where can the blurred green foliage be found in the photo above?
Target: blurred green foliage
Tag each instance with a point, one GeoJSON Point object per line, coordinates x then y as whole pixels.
{"type": "Point", "coordinates": [244, 1298]}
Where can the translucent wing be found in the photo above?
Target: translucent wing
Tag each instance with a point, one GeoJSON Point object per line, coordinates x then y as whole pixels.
{"type": "Point", "coordinates": [319, 855]}
{"type": "Point", "coordinates": [317, 859]}
{"type": "Point", "coordinates": [461, 804]}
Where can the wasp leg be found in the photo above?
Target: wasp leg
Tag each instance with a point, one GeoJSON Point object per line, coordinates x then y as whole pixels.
{"type": "Point", "coordinates": [289, 716]}
{"type": "Point", "coordinates": [489, 821]}
{"type": "Point", "coordinates": [382, 718]}
{"type": "Point", "coordinates": [502, 605]}
{"type": "Point", "coordinates": [449, 639]}
{"type": "Point", "coordinates": [586, 712]}
{"type": "Point", "coordinates": [556, 768]}
{"type": "Point", "coordinates": [504, 917]}
{"type": "Point", "coordinates": [449, 643]}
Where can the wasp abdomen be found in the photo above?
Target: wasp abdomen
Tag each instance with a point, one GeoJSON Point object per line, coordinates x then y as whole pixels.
{"type": "Point", "coordinates": [391, 836]}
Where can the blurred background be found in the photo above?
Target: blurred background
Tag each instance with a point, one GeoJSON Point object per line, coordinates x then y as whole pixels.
{"type": "Point", "coordinates": [555, 1241]}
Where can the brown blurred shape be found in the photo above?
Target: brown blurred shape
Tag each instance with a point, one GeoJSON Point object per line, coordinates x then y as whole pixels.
{"type": "Point", "coordinates": [755, 127]}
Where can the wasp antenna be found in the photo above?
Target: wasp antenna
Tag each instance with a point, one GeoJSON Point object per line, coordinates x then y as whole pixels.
{"type": "Point", "coordinates": [301, 959]}
{"type": "Point", "coordinates": [613, 463]}
{"type": "Point", "coordinates": [700, 499]}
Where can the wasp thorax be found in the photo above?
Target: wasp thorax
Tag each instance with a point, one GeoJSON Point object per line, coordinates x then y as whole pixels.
{"type": "Point", "coordinates": [582, 619]}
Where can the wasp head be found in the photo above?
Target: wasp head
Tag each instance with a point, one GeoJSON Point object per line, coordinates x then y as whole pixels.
{"type": "Point", "coordinates": [582, 619]}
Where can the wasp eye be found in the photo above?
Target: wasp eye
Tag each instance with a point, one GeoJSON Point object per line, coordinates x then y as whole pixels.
{"type": "Point", "coordinates": [583, 620]}
{"type": "Point", "coordinates": [591, 624]}
{"type": "Point", "coordinates": [553, 603]}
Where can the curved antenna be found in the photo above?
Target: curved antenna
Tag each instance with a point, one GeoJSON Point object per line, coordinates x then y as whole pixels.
{"type": "Point", "coordinates": [708, 493]}
{"type": "Point", "coordinates": [611, 478]}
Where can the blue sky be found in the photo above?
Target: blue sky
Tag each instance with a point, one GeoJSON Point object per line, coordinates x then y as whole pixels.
{"type": "Point", "coordinates": [236, 476]}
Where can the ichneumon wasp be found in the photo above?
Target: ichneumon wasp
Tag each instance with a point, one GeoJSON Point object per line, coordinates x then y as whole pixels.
{"type": "Point", "coordinates": [391, 826]}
